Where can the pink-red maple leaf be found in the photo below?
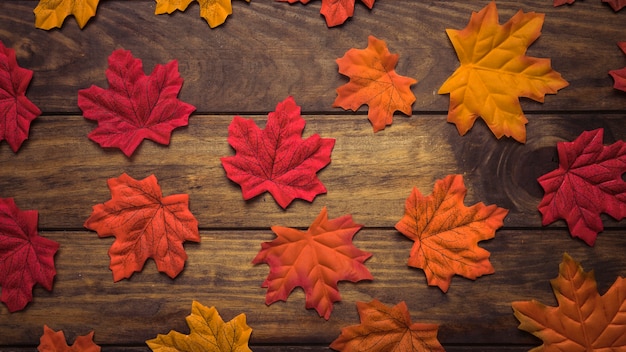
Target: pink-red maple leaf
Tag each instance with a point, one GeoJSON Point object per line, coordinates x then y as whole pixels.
{"type": "Point", "coordinates": [335, 12]}
{"type": "Point", "coordinates": [16, 111]}
{"type": "Point", "coordinates": [26, 258]}
{"type": "Point", "coordinates": [135, 106]}
{"type": "Point", "coordinates": [588, 182]}
{"type": "Point", "coordinates": [315, 260]}
{"type": "Point", "coordinates": [277, 159]}
{"type": "Point", "coordinates": [145, 225]}
{"type": "Point", "coordinates": [54, 341]}
{"type": "Point", "coordinates": [619, 76]}
{"type": "Point", "coordinates": [615, 4]}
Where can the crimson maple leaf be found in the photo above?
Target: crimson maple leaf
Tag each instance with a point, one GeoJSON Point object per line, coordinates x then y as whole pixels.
{"type": "Point", "coordinates": [588, 182]}
{"type": "Point", "coordinates": [335, 12]}
{"type": "Point", "coordinates": [277, 159]}
{"type": "Point", "coordinates": [615, 4]}
{"type": "Point", "coordinates": [145, 225]}
{"type": "Point", "coordinates": [446, 232]}
{"type": "Point", "coordinates": [314, 260]}
{"type": "Point", "coordinates": [583, 320]}
{"type": "Point", "coordinates": [26, 258]}
{"type": "Point", "coordinates": [16, 111]}
{"type": "Point", "coordinates": [374, 81]}
{"type": "Point", "coordinates": [54, 341]}
{"type": "Point", "coordinates": [387, 329]}
{"type": "Point", "coordinates": [619, 76]}
{"type": "Point", "coordinates": [135, 106]}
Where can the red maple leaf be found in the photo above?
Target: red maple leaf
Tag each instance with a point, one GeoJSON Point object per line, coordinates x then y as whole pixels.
{"type": "Point", "coordinates": [335, 12]}
{"type": "Point", "coordinates": [615, 4]}
{"type": "Point", "coordinates": [387, 329]}
{"type": "Point", "coordinates": [145, 225]}
{"type": "Point", "coordinates": [54, 341]}
{"type": "Point", "coordinates": [16, 111]}
{"type": "Point", "coordinates": [277, 159]}
{"type": "Point", "coordinates": [619, 76]}
{"type": "Point", "coordinates": [26, 258]}
{"type": "Point", "coordinates": [314, 260]}
{"type": "Point", "coordinates": [588, 182]}
{"type": "Point", "coordinates": [135, 106]}
{"type": "Point", "coordinates": [374, 81]}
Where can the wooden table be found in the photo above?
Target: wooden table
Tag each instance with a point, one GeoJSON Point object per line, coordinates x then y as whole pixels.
{"type": "Point", "coordinates": [265, 52]}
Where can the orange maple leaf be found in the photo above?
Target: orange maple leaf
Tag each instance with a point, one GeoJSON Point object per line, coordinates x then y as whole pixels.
{"type": "Point", "coordinates": [52, 13]}
{"type": "Point", "coordinates": [387, 329]}
{"type": "Point", "coordinates": [314, 260]}
{"type": "Point", "coordinates": [374, 81]}
{"type": "Point", "coordinates": [494, 72]}
{"type": "Point", "coordinates": [145, 225]}
{"type": "Point", "coordinates": [54, 341]}
{"type": "Point", "coordinates": [446, 232]}
{"type": "Point", "coordinates": [213, 11]}
{"type": "Point", "coordinates": [584, 320]}
{"type": "Point", "coordinates": [208, 333]}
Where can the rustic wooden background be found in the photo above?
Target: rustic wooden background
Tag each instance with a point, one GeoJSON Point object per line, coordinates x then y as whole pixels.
{"type": "Point", "coordinates": [265, 52]}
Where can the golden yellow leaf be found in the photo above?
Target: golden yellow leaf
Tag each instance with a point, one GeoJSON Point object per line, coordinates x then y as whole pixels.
{"type": "Point", "coordinates": [52, 13]}
{"type": "Point", "coordinates": [208, 333]}
{"type": "Point", "coordinates": [495, 72]}
{"type": "Point", "coordinates": [213, 11]}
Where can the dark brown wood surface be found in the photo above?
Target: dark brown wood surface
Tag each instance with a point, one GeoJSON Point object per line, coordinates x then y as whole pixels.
{"type": "Point", "coordinates": [265, 52]}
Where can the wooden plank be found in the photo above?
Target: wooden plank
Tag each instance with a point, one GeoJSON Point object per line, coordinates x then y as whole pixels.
{"type": "Point", "coordinates": [62, 174]}
{"type": "Point", "coordinates": [219, 272]}
{"type": "Point", "coordinates": [268, 50]}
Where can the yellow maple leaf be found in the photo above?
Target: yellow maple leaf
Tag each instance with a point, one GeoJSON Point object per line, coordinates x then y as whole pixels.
{"type": "Point", "coordinates": [208, 333]}
{"type": "Point", "coordinates": [52, 13]}
{"type": "Point", "coordinates": [213, 11]}
{"type": "Point", "coordinates": [495, 72]}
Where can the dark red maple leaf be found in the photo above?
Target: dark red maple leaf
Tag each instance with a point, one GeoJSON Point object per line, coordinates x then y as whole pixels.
{"type": "Point", "coordinates": [277, 159]}
{"type": "Point", "coordinates": [619, 76]}
{"type": "Point", "coordinates": [316, 260]}
{"type": "Point", "coordinates": [16, 111]}
{"type": "Point", "coordinates": [26, 258]}
{"type": "Point", "coordinates": [145, 225]}
{"type": "Point", "coordinates": [588, 182]}
{"type": "Point", "coordinates": [135, 106]}
{"type": "Point", "coordinates": [616, 5]}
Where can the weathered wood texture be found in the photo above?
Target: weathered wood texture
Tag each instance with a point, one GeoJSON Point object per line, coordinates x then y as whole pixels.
{"type": "Point", "coordinates": [265, 52]}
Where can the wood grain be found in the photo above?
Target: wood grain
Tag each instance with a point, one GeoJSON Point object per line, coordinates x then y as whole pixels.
{"type": "Point", "coordinates": [219, 273]}
{"type": "Point", "coordinates": [265, 52]}
{"type": "Point", "coordinates": [268, 50]}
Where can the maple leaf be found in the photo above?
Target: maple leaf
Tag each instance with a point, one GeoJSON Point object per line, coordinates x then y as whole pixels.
{"type": "Point", "coordinates": [54, 341]}
{"type": "Point", "coordinates": [145, 225]}
{"type": "Point", "coordinates": [16, 111]}
{"type": "Point", "coordinates": [314, 260]}
{"type": "Point", "coordinates": [277, 159]}
{"type": "Point", "coordinates": [26, 258]}
{"type": "Point", "coordinates": [135, 106]}
{"type": "Point", "coordinates": [213, 11]}
{"type": "Point", "coordinates": [387, 329]}
{"type": "Point", "coordinates": [374, 81]}
{"type": "Point", "coordinates": [615, 4]}
{"type": "Point", "coordinates": [335, 12]}
{"type": "Point", "coordinates": [52, 13]}
{"type": "Point", "coordinates": [584, 320]}
{"type": "Point", "coordinates": [619, 76]}
{"type": "Point", "coordinates": [587, 183]}
{"type": "Point", "coordinates": [494, 72]}
{"type": "Point", "coordinates": [446, 232]}
{"type": "Point", "coordinates": [208, 333]}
